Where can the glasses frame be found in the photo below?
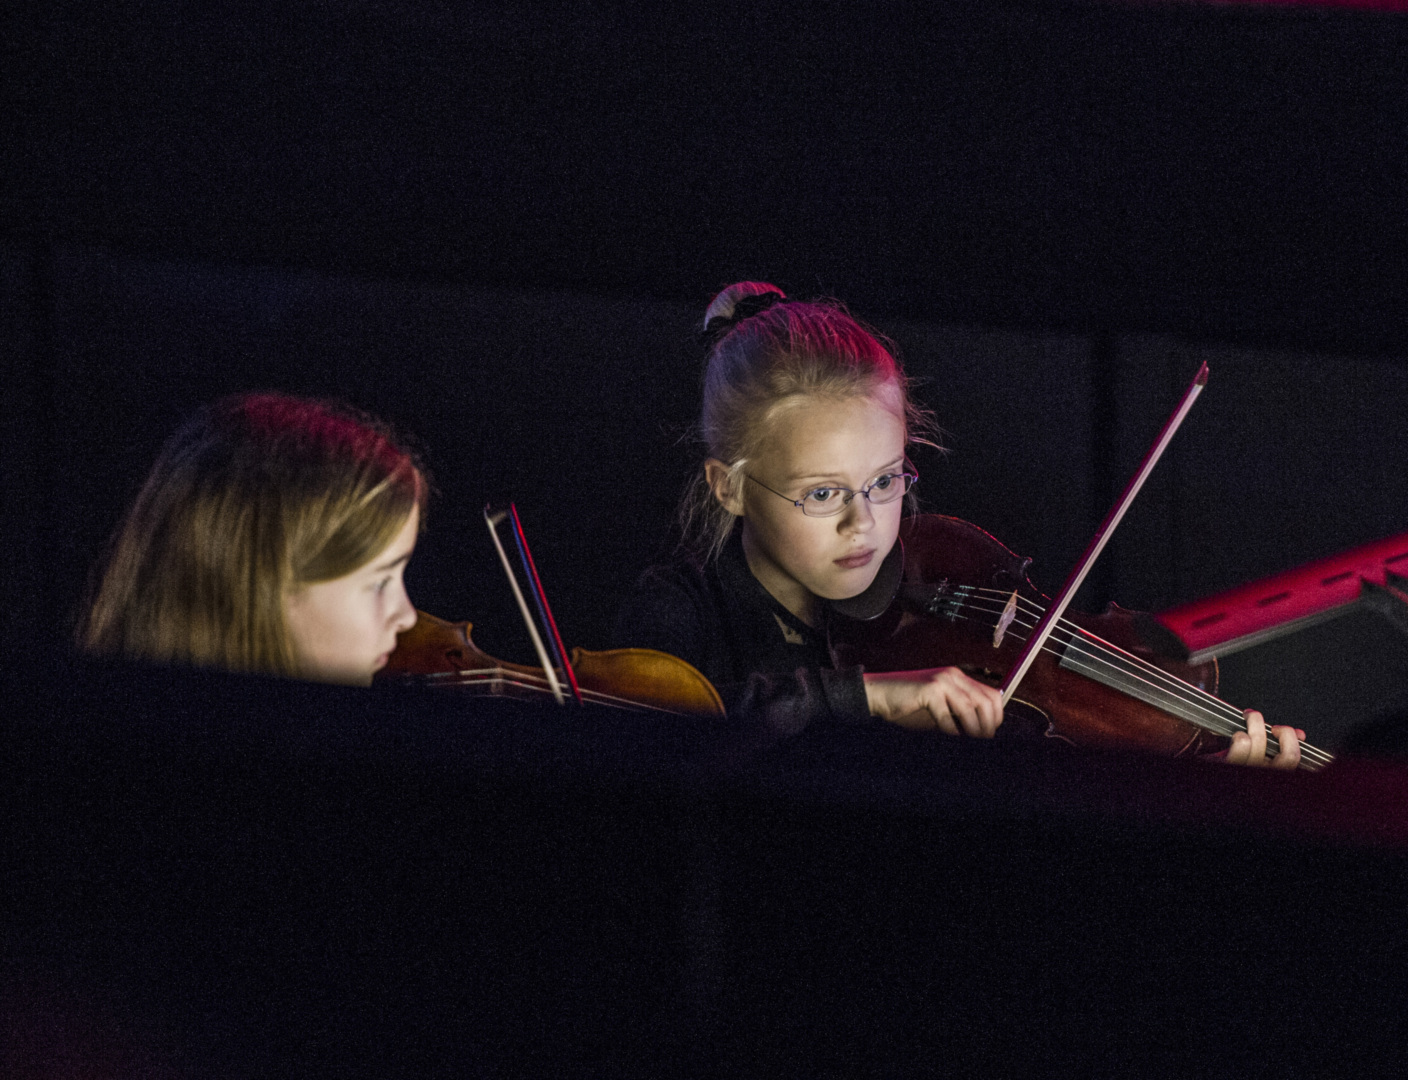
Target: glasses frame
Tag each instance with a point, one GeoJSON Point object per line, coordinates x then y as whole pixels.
{"type": "Point", "coordinates": [801, 504]}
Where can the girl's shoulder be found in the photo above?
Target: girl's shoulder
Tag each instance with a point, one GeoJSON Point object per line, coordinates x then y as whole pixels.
{"type": "Point", "coordinates": [679, 607]}
{"type": "Point", "coordinates": [681, 587]}
{"type": "Point", "coordinates": [689, 589]}
{"type": "Point", "coordinates": [680, 575]}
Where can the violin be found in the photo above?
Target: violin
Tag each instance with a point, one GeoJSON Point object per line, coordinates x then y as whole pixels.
{"type": "Point", "coordinates": [441, 653]}
{"type": "Point", "coordinates": [950, 594]}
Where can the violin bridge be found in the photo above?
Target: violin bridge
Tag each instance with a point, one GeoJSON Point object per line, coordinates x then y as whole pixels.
{"type": "Point", "coordinates": [1008, 614]}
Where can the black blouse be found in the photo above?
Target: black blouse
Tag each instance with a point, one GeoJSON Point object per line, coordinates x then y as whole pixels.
{"type": "Point", "coordinates": [768, 665]}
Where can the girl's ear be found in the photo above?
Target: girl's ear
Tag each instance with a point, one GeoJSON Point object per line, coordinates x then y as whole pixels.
{"type": "Point", "coordinates": [723, 482]}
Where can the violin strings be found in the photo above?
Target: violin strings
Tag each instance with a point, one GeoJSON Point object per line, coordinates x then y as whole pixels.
{"type": "Point", "coordinates": [1153, 675]}
{"type": "Point", "coordinates": [1190, 695]}
{"type": "Point", "coordinates": [1174, 687]}
{"type": "Point", "coordinates": [1222, 725]}
{"type": "Point", "coordinates": [1231, 720]}
{"type": "Point", "coordinates": [1093, 644]}
{"type": "Point", "coordinates": [538, 685]}
{"type": "Point", "coordinates": [1171, 683]}
{"type": "Point", "coordinates": [1221, 717]}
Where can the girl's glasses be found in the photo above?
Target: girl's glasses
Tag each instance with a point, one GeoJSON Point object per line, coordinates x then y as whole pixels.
{"type": "Point", "coordinates": [830, 501]}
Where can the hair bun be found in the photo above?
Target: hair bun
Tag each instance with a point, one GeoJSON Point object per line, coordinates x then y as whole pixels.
{"type": "Point", "coordinates": [744, 307]}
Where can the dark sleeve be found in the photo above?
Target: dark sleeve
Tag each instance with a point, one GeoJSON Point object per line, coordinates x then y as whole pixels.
{"type": "Point", "coordinates": [677, 613]}
{"type": "Point", "coordinates": [787, 702]}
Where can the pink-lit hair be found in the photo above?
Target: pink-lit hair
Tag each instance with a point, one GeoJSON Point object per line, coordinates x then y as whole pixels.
{"type": "Point", "coordinates": [256, 496]}
{"type": "Point", "coordinates": [785, 351]}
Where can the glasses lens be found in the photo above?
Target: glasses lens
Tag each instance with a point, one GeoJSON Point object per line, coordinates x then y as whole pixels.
{"type": "Point", "coordinates": [825, 502]}
{"type": "Point", "coordinates": [828, 502]}
{"type": "Point", "coordinates": [890, 487]}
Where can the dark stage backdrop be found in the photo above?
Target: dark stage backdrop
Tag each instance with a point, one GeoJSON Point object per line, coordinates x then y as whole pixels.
{"type": "Point", "coordinates": [579, 407]}
{"type": "Point", "coordinates": [1223, 173]}
{"type": "Point", "coordinates": [497, 227]}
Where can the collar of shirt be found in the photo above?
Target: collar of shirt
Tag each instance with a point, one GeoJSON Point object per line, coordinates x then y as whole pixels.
{"type": "Point", "coordinates": [739, 580]}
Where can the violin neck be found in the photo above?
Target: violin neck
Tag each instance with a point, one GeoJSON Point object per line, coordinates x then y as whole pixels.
{"type": "Point", "coordinates": [1111, 666]}
{"type": "Point", "coordinates": [1108, 664]}
{"type": "Point", "coordinates": [1083, 653]}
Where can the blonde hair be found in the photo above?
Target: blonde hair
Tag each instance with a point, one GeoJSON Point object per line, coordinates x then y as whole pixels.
{"type": "Point", "coordinates": [256, 496]}
{"type": "Point", "coordinates": [764, 350]}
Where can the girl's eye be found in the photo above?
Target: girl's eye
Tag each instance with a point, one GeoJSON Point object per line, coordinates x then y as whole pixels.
{"type": "Point", "coordinates": [821, 495]}
{"type": "Point", "coordinates": [381, 585]}
{"type": "Point", "coordinates": [882, 483]}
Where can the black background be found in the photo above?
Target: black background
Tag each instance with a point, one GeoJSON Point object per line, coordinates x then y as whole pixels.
{"type": "Point", "coordinates": [497, 228]}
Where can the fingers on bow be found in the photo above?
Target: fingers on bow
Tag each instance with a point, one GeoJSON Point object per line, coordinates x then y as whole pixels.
{"type": "Point", "coordinates": [960, 704]}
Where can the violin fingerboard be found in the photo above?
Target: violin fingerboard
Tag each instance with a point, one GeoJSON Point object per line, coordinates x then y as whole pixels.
{"type": "Point", "coordinates": [1119, 670]}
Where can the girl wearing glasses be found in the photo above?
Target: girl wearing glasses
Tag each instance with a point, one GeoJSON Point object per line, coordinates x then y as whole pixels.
{"type": "Point", "coordinates": [806, 418]}
{"type": "Point", "coordinates": [271, 535]}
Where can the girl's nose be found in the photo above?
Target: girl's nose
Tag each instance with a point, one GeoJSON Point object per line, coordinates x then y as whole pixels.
{"type": "Point", "coordinates": [859, 517]}
{"type": "Point", "coordinates": [404, 617]}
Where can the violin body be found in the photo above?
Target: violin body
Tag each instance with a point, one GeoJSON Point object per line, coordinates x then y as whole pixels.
{"type": "Point", "coordinates": [442, 653]}
{"type": "Point", "coordinates": [1091, 685]}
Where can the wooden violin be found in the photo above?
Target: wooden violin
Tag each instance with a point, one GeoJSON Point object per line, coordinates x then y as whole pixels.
{"type": "Point", "coordinates": [442, 653]}
{"type": "Point", "coordinates": [961, 598]}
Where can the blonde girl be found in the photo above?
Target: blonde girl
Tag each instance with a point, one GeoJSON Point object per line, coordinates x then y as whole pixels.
{"type": "Point", "coordinates": [806, 418]}
{"type": "Point", "coordinates": [271, 535]}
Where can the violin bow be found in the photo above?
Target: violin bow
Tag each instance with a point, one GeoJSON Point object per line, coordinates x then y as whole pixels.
{"type": "Point", "coordinates": [1048, 622]}
{"type": "Point", "coordinates": [493, 518]}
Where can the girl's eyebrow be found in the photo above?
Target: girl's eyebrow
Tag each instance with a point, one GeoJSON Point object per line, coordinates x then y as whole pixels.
{"type": "Point", "coordinates": [824, 476]}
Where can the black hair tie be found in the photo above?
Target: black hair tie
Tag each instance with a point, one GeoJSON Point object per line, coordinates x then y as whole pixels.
{"type": "Point", "coordinates": [715, 329]}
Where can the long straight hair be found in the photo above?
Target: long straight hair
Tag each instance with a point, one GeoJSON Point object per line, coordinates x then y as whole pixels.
{"type": "Point", "coordinates": [257, 495]}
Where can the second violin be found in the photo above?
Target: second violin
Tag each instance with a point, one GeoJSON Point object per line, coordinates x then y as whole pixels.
{"type": "Point", "coordinates": [442, 654]}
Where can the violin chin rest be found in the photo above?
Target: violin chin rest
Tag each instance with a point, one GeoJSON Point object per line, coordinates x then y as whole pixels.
{"type": "Point", "coordinates": [877, 598]}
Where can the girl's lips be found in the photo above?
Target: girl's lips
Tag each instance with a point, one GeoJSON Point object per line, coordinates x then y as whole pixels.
{"type": "Point", "coordinates": [854, 562]}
